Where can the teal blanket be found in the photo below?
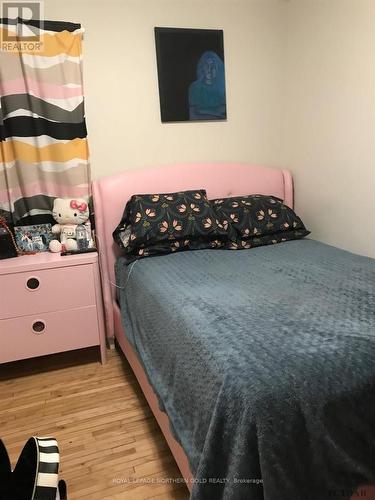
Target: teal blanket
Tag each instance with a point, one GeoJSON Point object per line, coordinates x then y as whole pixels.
{"type": "Point", "coordinates": [264, 360]}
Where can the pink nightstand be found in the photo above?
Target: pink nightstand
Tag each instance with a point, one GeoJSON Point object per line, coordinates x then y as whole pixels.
{"type": "Point", "coordinates": [50, 304]}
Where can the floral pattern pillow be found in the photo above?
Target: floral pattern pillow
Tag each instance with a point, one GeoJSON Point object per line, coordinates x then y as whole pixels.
{"type": "Point", "coordinates": [169, 222]}
{"type": "Point", "coordinates": [256, 220]}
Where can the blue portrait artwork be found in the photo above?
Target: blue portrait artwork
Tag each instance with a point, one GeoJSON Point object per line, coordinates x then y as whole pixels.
{"type": "Point", "coordinates": [191, 74]}
{"type": "Point", "coordinates": [207, 93]}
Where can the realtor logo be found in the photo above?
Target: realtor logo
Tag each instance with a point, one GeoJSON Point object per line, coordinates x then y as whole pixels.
{"type": "Point", "coordinates": [18, 31]}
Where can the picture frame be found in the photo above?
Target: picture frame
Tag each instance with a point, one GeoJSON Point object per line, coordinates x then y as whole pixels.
{"type": "Point", "coordinates": [191, 74]}
{"type": "Point", "coordinates": [34, 238]}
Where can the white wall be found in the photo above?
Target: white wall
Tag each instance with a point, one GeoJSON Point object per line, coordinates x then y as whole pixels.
{"type": "Point", "coordinates": [300, 94]}
{"type": "Point", "coordinates": [121, 88]}
{"type": "Point", "coordinates": [329, 120]}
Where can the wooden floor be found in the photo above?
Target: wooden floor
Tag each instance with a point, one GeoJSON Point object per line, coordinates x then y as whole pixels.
{"type": "Point", "coordinates": [110, 444]}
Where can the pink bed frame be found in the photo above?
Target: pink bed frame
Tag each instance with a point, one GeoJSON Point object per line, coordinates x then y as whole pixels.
{"type": "Point", "coordinates": [110, 195]}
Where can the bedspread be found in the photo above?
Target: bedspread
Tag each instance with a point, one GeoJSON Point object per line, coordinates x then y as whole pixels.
{"type": "Point", "coordinates": [264, 360]}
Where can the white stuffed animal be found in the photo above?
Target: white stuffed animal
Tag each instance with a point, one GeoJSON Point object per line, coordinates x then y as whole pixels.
{"type": "Point", "coordinates": [69, 214]}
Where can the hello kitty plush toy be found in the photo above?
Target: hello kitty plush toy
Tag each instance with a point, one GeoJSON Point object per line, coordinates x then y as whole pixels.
{"type": "Point", "coordinates": [70, 214]}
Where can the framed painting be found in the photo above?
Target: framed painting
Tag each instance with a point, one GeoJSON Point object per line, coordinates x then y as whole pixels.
{"type": "Point", "coordinates": [34, 238]}
{"type": "Point", "coordinates": [191, 74]}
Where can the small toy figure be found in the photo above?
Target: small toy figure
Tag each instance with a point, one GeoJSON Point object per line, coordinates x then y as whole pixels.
{"type": "Point", "coordinates": [82, 237]}
{"type": "Point", "coordinates": [70, 215]}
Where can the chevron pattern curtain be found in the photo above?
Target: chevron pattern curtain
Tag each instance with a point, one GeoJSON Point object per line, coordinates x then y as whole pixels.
{"type": "Point", "coordinates": [43, 144]}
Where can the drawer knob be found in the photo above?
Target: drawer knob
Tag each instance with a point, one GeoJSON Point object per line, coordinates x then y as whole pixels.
{"type": "Point", "coordinates": [39, 326]}
{"type": "Point", "coordinates": [32, 283]}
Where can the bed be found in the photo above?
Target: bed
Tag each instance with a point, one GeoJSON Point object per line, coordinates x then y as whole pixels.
{"type": "Point", "coordinates": [310, 353]}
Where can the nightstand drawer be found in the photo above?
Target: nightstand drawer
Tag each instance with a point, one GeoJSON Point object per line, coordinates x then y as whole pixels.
{"type": "Point", "coordinates": [47, 333]}
{"type": "Point", "coordinates": [46, 290]}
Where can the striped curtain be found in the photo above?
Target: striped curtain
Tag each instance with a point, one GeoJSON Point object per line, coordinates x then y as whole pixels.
{"type": "Point", "coordinates": [43, 145]}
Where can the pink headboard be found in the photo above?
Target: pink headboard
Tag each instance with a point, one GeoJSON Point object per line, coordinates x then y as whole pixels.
{"type": "Point", "coordinates": [219, 179]}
